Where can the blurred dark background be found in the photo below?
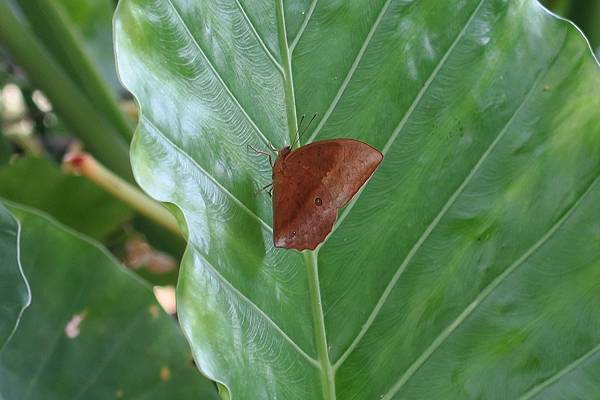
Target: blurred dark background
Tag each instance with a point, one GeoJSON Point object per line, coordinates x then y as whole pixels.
{"type": "Point", "coordinates": [584, 13]}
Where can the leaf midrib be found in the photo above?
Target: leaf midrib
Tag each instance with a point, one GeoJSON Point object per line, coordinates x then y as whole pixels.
{"type": "Point", "coordinates": [290, 104]}
{"type": "Point", "coordinates": [323, 364]}
{"type": "Point", "coordinates": [310, 257]}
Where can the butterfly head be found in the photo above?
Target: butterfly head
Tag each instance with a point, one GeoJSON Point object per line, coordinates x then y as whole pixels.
{"type": "Point", "coordinates": [281, 155]}
{"type": "Point", "coordinates": [284, 151]}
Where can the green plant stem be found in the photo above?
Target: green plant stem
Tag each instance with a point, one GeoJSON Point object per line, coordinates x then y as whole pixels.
{"type": "Point", "coordinates": [327, 374]}
{"type": "Point", "coordinates": [56, 31]}
{"type": "Point", "coordinates": [99, 136]}
{"type": "Point", "coordinates": [86, 165]}
{"type": "Point", "coordinates": [288, 85]}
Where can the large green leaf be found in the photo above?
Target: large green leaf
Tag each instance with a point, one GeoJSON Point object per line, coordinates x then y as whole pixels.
{"type": "Point", "coordinates": [469, 265]}
{"type": "Point", "coordinates": [14, 291]}
{"type": "Point", "coordinates": [93, 330]}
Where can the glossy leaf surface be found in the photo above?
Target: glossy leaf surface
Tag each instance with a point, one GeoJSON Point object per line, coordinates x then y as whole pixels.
{"type": "Point", "coordinates": [93, 331]}
{"type": "Point", "coordinates": [14, 292]}
{"type": "Point", "coordinates": [469, 265]}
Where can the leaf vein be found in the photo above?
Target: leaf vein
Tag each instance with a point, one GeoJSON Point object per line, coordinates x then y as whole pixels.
{"type": "Point", "coordinates": [351, 72]}
{"type": "Point", "coordinates": [206, 173]}
{"type": "Point", "coordinates": [309, 14]}
{"type": "Point", "coordinates": [558, 375]}
{"type": "Point", "coordinates": [440, 215]}
{"type": "Point", "coordinates": [310, 258]}
{"type": "Point", "coordinates": [260, 312]}
{"type": "Point", "coordinates": [411, 109]}
{"type": "Point", "coordinates": [327, 373]}
{"type": "Point", "coordinates": [288, 79]}
{"type": "Point", "coordinates": [216, 73]}
{"type": "Point", "coordinates": [484, 294]}
{"type": "Point", "coordinates": [259, 38]}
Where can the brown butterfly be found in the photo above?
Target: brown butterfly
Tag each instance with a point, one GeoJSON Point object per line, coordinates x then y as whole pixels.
{"type": "Point", "coordinates": [310, 184]}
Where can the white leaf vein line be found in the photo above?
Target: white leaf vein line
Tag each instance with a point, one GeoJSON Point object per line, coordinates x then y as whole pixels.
{"type": "Point", "coordinates": [260, 312]}
{"type": "Point", "coordinates": [205, 173]}
{"type": "Point", "coordinates": [260, 40]}
{"type": "Point", "coordinates": [109, 355]}
{"type": "Point", "coordinates": [444, 209]}
{"type": "Point", "coordinates": [431, 78]}
{"type": "Point", "coordinates": [216, 74]}
{"type": "Point", "coordinates": [447, 205]}
{"type": "Point", "coordinates": [411, 109]}
{"type": "Point", "coordinates": [429, 230]}
{"type": "Point", "coordinates": [350, 74]}
{"type": "Point", "coordinates": [557, 376]}
{"type": "Point", "coordinates": [309, 14]}
{"type": "Point", "coordinates": [484, 294]}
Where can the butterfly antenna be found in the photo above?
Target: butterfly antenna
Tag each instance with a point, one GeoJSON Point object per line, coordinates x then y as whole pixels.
{"type": "Point", "coordinates": [308, 125]}
{"type": "Point", "coordinates": [299, 135]}
{"type": "Point", "coordinates": [300, 123]}
{"type": "Point", "coordinates": [298, 131]}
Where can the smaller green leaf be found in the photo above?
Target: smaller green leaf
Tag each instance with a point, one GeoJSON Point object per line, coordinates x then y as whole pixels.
{"type": "Point", "coordinates": [93, 330]}
{"type": "Point", "coordinates": [93, 20]}
{"type": "Point", "coordinates": [71, 199]}
{"type": "Point", "coordinates": [14, 292]}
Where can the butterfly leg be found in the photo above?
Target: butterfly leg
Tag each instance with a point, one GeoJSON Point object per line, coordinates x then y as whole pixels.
{"type": "Point", "coordinates": [272, 148]}
{"type": "Point", "coordinates": [270, 185]}
{"type": "Point", "coordinates": [262, 153]}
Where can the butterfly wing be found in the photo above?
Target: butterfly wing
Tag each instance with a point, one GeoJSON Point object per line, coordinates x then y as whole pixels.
{"type": "Point", "coordinates": [311, 183]}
